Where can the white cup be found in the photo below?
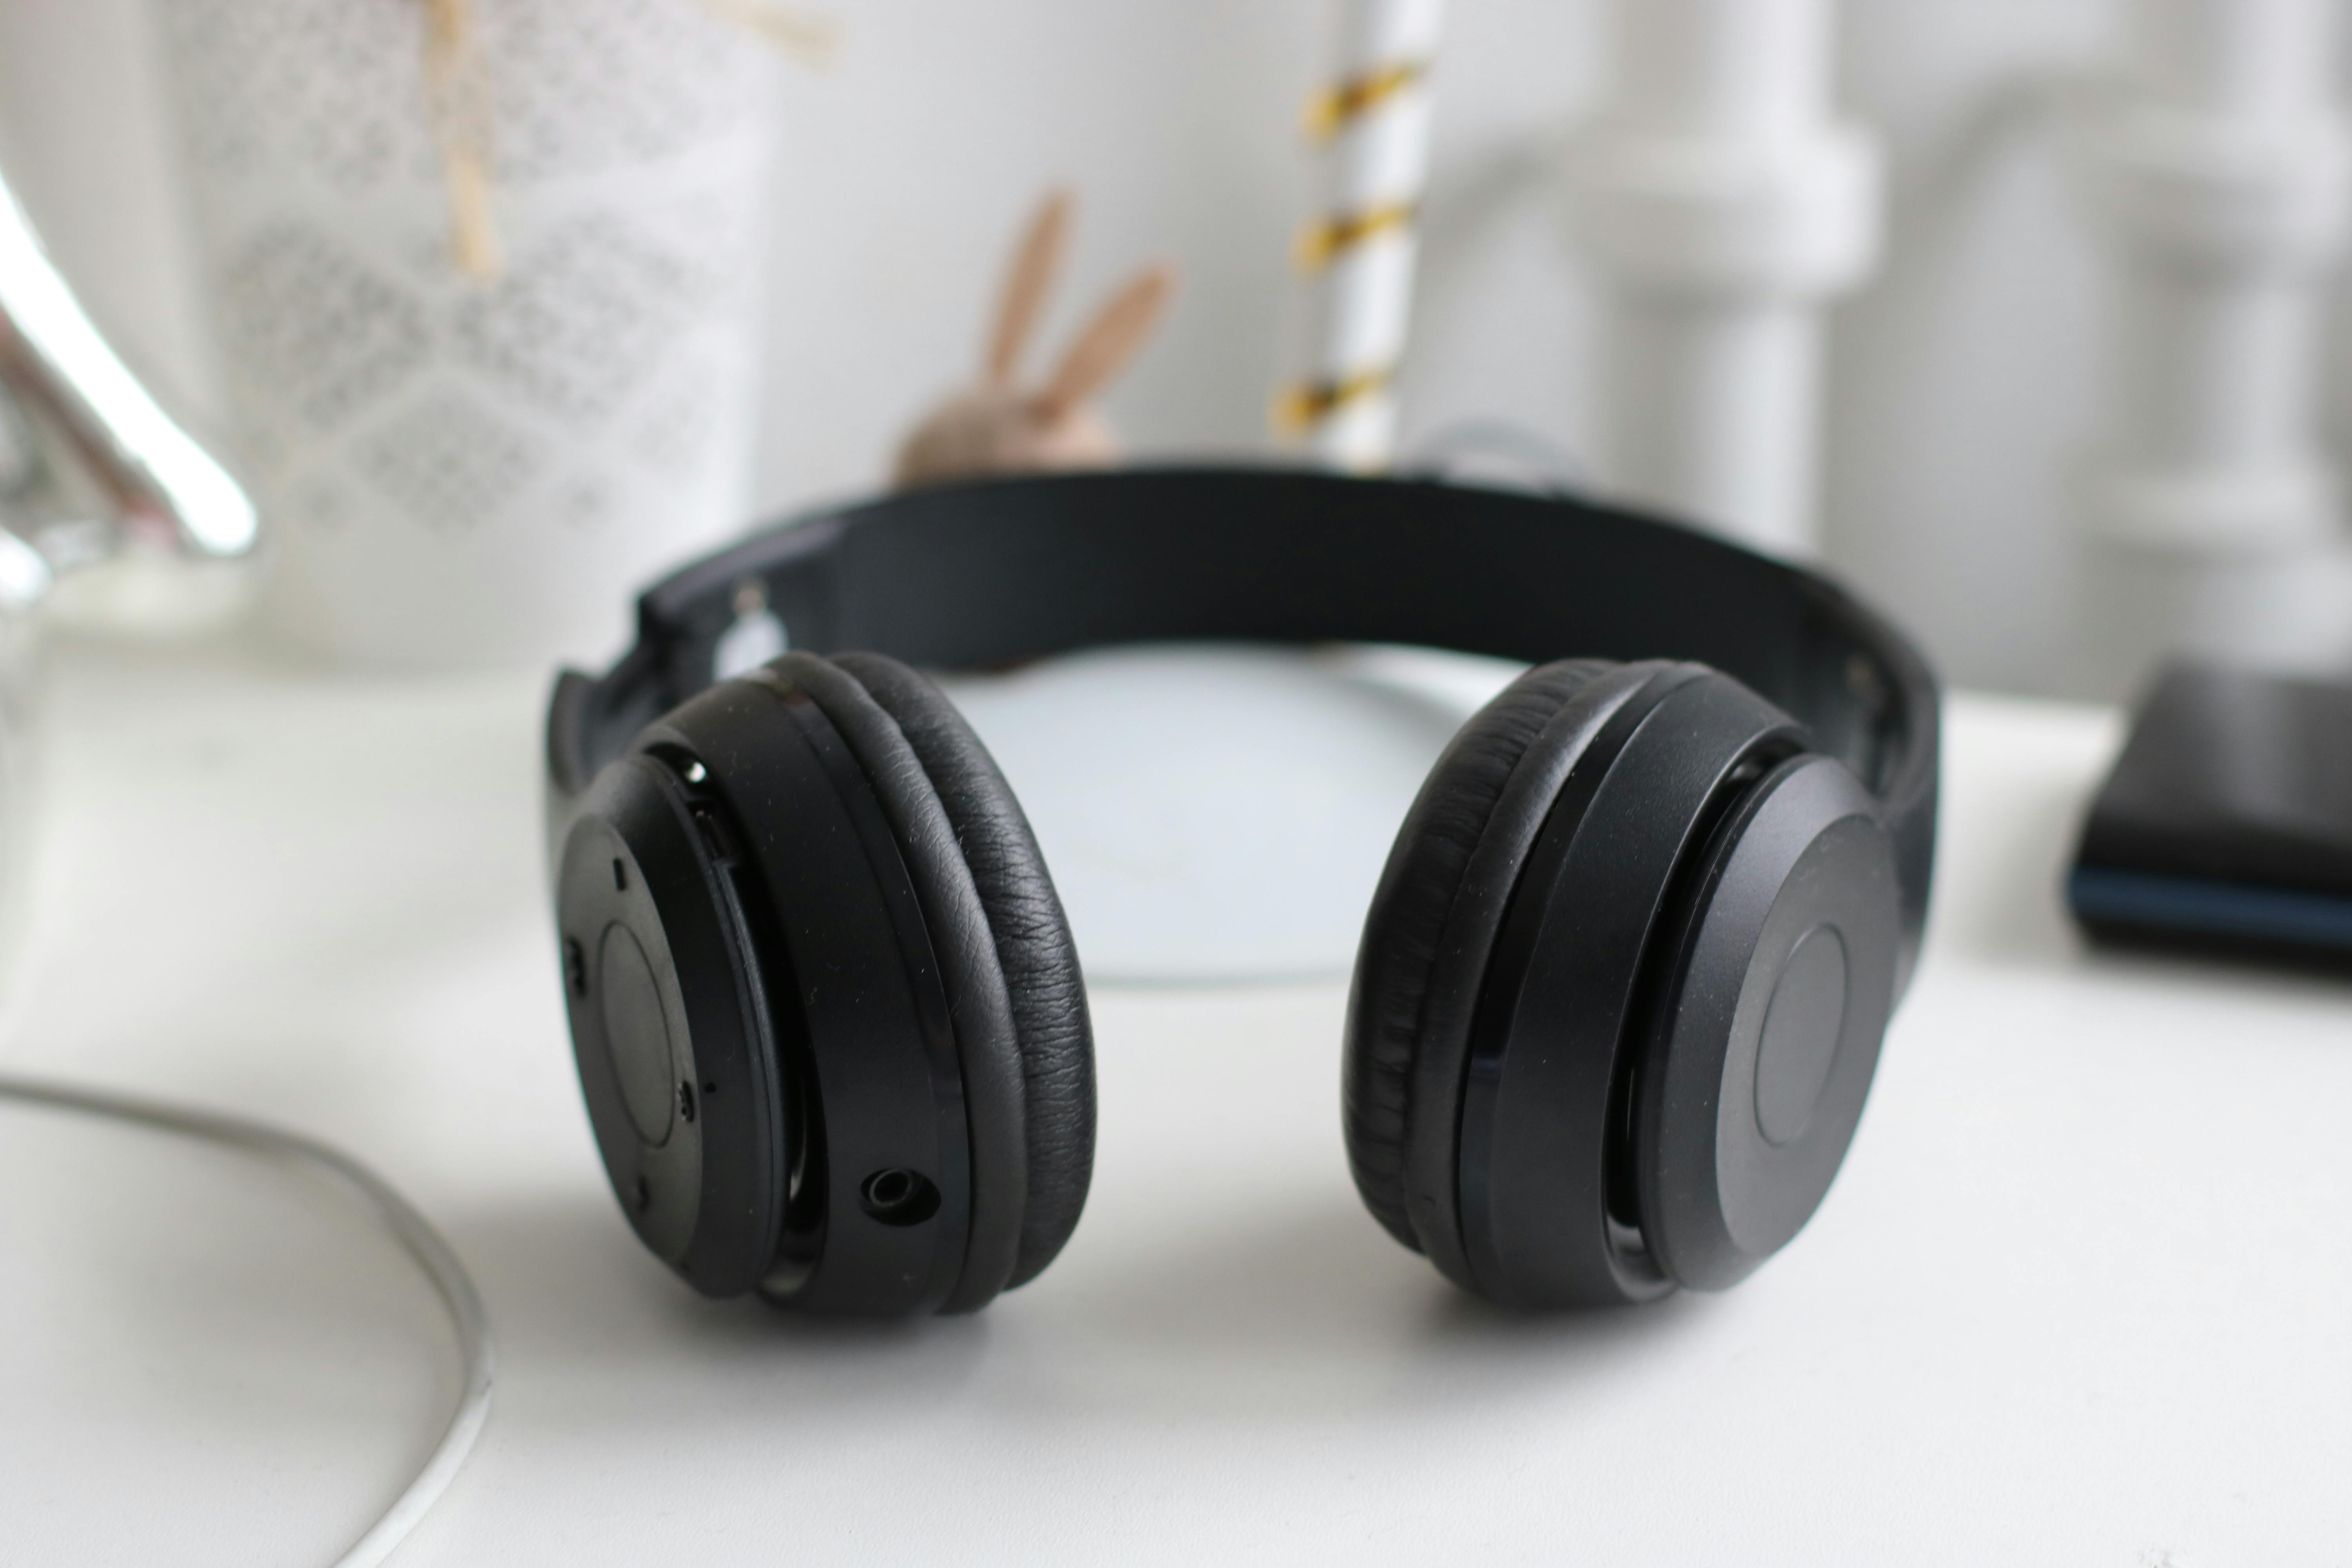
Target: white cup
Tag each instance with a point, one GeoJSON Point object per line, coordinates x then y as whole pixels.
{"type": "Point", "coordinates": [464, 472]}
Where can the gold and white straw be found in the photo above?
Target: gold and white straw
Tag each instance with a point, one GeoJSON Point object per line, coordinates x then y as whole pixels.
{"type": "Point", "coordinates": [1373, 125]}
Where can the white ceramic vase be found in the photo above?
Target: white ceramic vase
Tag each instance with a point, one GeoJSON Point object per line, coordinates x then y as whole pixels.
{"type": "Point", "coordinates": [465, 472]}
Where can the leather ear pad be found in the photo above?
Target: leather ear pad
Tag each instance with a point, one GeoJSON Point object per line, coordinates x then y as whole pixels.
{"type": "Point", "coordinates": [1432, 925]}
{"type": "Point", "coordinates": [1032, 945]}
{"type": "Point", "coordinates": [987, 1037]}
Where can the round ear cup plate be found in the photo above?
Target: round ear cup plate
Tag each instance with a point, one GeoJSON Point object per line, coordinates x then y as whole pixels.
{"type": "Point", "coordinates": [1801, 1026]}
{"type": "Point", "coordinates": [637, 1035]}
{"type": "Point", "coordinates": [1785, 982]}
{"type": "Point", "coordinates": [684, 1108]}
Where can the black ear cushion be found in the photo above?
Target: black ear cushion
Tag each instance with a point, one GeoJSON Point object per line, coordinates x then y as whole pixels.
{"type": "Point", "coordinates": [1032, 943]}
{"type": "Point", "coordinates": [1416, 924]}
{"type": "Point", "coordinates": [987, 1037]}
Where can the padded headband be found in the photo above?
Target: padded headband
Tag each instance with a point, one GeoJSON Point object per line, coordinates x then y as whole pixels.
{"type": "Point", "coordinates": [1005, 571]}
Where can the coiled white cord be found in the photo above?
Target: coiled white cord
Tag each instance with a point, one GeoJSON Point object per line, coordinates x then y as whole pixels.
{"type": "Point", "coordinates": [410, 1228]}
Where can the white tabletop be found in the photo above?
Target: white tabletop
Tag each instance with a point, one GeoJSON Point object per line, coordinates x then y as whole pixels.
{"type": "Point", "coordinates": [2079, 1296]}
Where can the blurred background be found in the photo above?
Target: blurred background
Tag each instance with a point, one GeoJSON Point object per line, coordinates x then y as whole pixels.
{"type": "Point", "coordinates": [1961, 373]}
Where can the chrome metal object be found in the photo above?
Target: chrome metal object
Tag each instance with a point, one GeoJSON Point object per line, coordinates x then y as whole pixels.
{"type": "Point", "coordinates": [112, 515]}
{"type": "Point", "coordinates": [92, 466]}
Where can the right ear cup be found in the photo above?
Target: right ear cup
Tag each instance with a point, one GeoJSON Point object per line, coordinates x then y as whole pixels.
{"type": "Point", "coordinates": [1432, 922]}
{"type": "Point", "coordinates": [1621, 990]}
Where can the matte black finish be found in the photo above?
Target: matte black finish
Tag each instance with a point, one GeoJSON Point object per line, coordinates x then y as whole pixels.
{"type": "Point", "coordinates": [706, 1193]}
{"type": "Point", "coordinates": [1621, 994]}
{"type": "Point", "coordinates": [1546, 1168]}
{"type": "Point", "coordinates": [1036, 958]}
{"type": "Point", "coordinates": [1782, 984]}
{"type": "Point", "coordinates": [2227, 822]}
{"type": "Point", "coordinates": [972, 575]}
{"type": "Point", "coordinates": [832, 989]}
{"type": "Point", "coordinates": [1429, 932]}
{"type": "Point", "coordinates": [955, 936]}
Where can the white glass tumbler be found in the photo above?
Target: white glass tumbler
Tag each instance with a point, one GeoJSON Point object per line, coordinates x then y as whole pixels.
{"type": "Point", "coordinates": [465, 471]}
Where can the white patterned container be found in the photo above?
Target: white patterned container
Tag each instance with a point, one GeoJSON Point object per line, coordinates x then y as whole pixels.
{"type": "Point", "coordinates": [466, 472]}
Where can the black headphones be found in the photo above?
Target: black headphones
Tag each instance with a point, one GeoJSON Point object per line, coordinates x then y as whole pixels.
{"type": "Point", "coordinates": [1620, 991]}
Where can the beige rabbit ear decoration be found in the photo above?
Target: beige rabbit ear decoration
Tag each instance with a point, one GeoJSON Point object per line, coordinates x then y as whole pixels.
{"type": "Point", "coordinates": [1036, 268]}
{"type": "Point", "coordinates": [1111, 340]}
{"type": "Point", "coordinates": [998, 426]}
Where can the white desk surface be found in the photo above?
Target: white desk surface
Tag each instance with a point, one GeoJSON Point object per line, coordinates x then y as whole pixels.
{"type": "Point", "coordinates": [2083, 1295]}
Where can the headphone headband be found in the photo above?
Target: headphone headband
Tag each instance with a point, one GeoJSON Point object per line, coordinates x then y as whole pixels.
{"type": "Point", "coordinates": [1004, 571]}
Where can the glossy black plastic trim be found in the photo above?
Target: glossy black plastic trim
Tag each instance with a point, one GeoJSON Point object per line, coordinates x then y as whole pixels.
{"type": "Point", "coordinates": [708, 1196]}
{"type": "Point", "coordinates": [856, 996]}
{"type": "Point", "coordinates": [1559, 1016]}
{"type": "Point", "coordinates": [1803, 856]}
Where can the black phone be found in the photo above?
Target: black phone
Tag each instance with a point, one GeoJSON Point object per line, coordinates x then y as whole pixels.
{"type": "Point", "coordinates": [2226, 825]}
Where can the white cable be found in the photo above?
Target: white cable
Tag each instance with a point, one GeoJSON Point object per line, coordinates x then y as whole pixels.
{"type": "Point", "coordinates": [410, 1228]}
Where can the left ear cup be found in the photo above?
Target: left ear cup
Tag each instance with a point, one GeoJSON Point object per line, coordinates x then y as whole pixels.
{"type": "Point", "coordinates": [987, 1036]}
{"type": "Point", "coordinates": [825, 1008]}
{"type": "Point", "coordinates": [1032, 936]}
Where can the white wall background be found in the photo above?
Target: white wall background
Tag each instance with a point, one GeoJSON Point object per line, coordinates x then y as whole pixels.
{"type": "Point", "coordinates": [1959, 377]}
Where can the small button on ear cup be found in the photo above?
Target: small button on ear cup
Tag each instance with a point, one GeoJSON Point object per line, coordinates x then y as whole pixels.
{"type": "Point", "coordinates": [1779, 995]}
{"type": "Point", "coordinates": [1033, 943]}
{"type": "Point", "coordinates": [1432, 920]}
{"type": "Point", "coordinates": [637, 1035]}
